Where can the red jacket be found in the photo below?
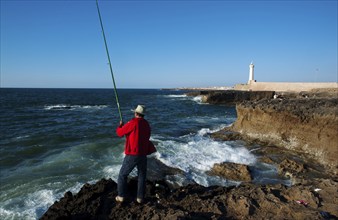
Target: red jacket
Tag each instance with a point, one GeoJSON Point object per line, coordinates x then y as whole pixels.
{"type": "Point", "coordinates": [137, 132]}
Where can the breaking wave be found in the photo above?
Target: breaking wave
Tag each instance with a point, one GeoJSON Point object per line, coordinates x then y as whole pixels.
{"type": "Point", "coordinates": [73, 107]}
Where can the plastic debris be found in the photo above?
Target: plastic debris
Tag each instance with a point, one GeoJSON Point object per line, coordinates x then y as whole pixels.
{"type": "Point", "coordinates": [317, 189]}
{"type": "Point", "coordinates": [325, 215]}
{"type": "Point", "coordinates": [302, 202]}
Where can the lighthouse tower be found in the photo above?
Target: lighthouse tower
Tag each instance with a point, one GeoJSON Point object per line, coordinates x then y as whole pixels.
{"type": "Point", "coordinates": [251, 73]}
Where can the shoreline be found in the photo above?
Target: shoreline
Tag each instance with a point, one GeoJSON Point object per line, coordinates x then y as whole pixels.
{"type": "Point", "coordinates": [312, 195]}
{"type": "Point", "coordinates": [300, 122]}
{"type": "Point", "coordinates": [247, 201]}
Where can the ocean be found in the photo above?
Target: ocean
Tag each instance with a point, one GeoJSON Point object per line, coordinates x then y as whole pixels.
{"type": "Point", "coordinates": [55, 140]}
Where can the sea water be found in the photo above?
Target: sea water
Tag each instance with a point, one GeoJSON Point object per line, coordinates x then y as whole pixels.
{"type": "Point", "coordinates": [55, 140]}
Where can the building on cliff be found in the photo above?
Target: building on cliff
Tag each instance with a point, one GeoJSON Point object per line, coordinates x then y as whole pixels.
{"type": "Point", "coordinates": [251, 73]}
{"type": "Point", "coordinates": [253, 85]}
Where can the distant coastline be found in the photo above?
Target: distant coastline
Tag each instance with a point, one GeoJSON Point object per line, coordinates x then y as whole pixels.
{"type": "Point", "coordinates": [285, 86]}
{"type": "Point", "coordinates": [267, 86]}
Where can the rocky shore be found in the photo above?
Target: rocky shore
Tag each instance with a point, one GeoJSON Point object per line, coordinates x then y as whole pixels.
{"type": "Point", "coordinates": [308, 126]}
{"type": "Point", "coordinates": [247, 201]}
{"type": "Point", "coordinates": [297, 133]}
{"type": "Point", "coordinates": [304, 123]}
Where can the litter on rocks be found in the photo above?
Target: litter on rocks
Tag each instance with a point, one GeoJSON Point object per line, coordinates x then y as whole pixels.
{"type": "Point", "coordinates": [302, 202]}
{"type": "Point", "coordinates": [325, 215]}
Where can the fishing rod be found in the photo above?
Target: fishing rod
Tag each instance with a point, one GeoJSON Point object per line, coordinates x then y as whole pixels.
{"type": "Point", "coordinates": [111, 69]}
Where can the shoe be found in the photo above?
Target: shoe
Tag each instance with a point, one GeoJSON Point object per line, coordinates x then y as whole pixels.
{"type": "Point", "coordinates": [119, 199]}
{"type": "Point", "coordinates": [138, 200]}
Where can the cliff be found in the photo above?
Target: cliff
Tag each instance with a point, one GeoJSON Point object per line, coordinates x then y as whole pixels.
{"type": "Point", "coordinates": [305, 122]}
{"type": "Point", "coordinates": [305, 125]}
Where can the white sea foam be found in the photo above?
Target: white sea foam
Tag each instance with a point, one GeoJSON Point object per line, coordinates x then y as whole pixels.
{"type": "Point", "coordinates": [22, 137]}
{"type": "Point", "coordinates": [198, 99]}
{"type": "Point", "coordinates": [33, 206]}
{"type": "Point", "coordinates": [9, 214]}
{"type": "Point", "coordinates": [112, 171]}
{"type": "Point", "coordinates": [30, 199]}
{"type": "Point", "coordinates": [176, 96]}
{"type": "Point", "coordinates": [40, 201]}
{"type": "Point", "coordinates": [76, 188]}
{"type": "Point", "coordinates": [196, 154]}
{"type": "Point", "coordinates": [73, 107]}
{"type": "Point", "coordinates": [205, 131]}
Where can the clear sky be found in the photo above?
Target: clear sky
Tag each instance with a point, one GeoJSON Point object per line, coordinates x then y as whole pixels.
{"type": "Point", "coordinates": [166, 44]}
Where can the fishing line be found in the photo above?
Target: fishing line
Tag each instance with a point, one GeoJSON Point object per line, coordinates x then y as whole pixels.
{"type": "Point", "coordinates": [111, 69]}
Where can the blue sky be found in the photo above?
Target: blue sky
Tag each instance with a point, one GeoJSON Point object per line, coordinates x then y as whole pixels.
{"type": "Point", "coordinates": [166, 44]}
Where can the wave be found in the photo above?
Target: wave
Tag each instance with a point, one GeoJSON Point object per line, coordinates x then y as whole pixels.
{"type": "Point", "coordinates": [65, 162]}
{"type": "Point", "coordinates": [62, 171]}
{"type": "Point", "coordinates": [22, 137]}
{"type": "Point", "coordinates": [73, 107]}
{"type": "Point", "coordinates": [197, 99]}
{"type": "Point", "coordinates": [33, 205]}
{"type": "Point", "coordinates": [176, 96]}
{"type": "Point", "coordinates": [196, 153]}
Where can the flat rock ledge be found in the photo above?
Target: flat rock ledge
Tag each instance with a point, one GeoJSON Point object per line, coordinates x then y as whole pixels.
{"type": "Point", "coordinates": [317, 200]}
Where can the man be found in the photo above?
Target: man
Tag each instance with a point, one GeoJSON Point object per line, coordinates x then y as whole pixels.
{"type": "Point", "coordinates": [137, 132]}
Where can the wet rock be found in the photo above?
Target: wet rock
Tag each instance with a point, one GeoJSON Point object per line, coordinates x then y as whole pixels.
{"type": "Point", "coordinates": [232, 171]}
{"type": "Point", "coordinates": [226, 135]}
{"type": "Point", "coordinates": [88, 202]}
{"type": "Point", "coordinates": [158, 170]}
{"type": "Point", "coordinates": [266, 159]}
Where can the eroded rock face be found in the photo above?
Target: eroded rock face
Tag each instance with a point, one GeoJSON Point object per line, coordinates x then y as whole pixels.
{"type": "Point", "coordinates": [303, 122]}
{"type": "Point", "coordinates": [304, 125]}
{"type": "Point", "coordinates": [232, 171]}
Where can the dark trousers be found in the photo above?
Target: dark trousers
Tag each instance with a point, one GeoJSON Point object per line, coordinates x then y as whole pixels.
{"type": "Point", "coordinates": [129, 163]}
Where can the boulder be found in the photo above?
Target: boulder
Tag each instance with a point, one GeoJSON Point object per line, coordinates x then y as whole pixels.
{"type": "Point", "coordinates": [232, 171]}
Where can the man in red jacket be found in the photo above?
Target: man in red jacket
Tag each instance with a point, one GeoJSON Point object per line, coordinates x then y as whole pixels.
{"type": "Point", "coordinates": [137, 132]}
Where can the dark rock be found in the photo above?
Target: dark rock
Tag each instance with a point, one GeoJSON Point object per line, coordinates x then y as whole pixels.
{"type": "Point", "coordinates": [247, 201]}
{"type": "Point", "coordinates": [158, 170]}
{"type": "Point", "coordinates": [231, 97]}
{"type": "Point", "coordinates": [226, 135]}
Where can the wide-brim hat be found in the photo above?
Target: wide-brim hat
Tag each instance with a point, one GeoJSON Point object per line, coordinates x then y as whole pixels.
{"type": "Point", "coordinates": [140, 109]}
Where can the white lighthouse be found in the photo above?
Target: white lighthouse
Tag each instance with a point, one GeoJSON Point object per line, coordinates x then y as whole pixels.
{"type": "Point", "coordinates": [251, 73]}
